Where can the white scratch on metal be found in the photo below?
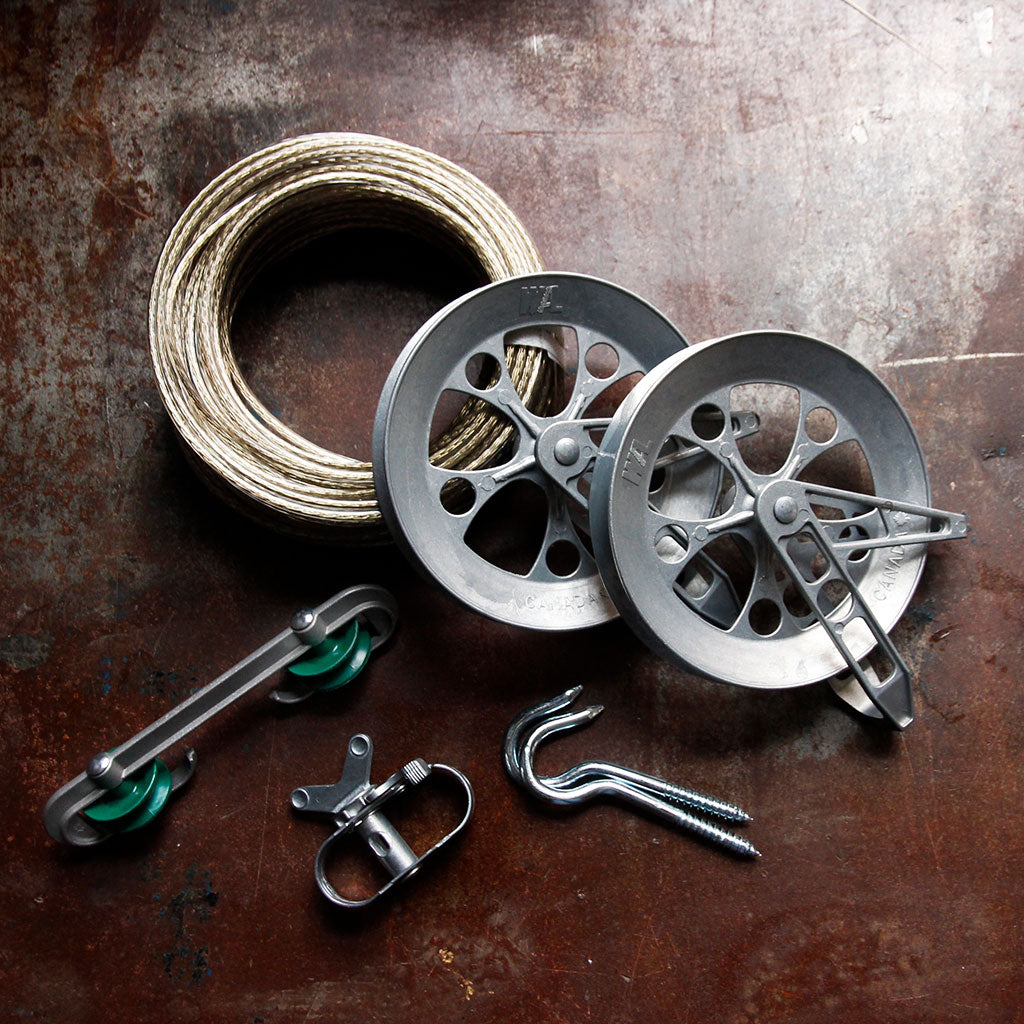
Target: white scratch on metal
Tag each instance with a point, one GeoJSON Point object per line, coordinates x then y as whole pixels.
{"type": "Point", "coordinates": [963, 358]}
{"type": "Point", "coordinates": [984, 24]}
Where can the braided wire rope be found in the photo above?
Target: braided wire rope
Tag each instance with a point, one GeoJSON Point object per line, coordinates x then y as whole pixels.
{"type": "Point", "coordinates": [255, 213]}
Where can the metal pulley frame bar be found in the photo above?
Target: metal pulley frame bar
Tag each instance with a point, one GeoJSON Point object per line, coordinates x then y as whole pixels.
{"type": "Point", "coordinates": [372, 605]}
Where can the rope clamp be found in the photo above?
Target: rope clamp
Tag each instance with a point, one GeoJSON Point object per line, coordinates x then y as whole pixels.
{"type": "Point", "coordinates": [355, 805]}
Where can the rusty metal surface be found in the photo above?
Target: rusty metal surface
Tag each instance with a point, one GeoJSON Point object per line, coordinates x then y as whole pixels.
{"type": "Point", "coordinates": [858, 178]}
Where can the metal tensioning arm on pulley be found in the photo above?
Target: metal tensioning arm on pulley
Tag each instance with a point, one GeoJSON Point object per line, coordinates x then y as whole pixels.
{"type": "Point", "coordinates": [370, 614]}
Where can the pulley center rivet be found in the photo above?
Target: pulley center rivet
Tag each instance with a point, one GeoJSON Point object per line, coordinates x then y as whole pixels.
{"type": "Point", "coordinates": [302, 620]}
{"type": "Point", "coordinates": [308, 627]}
{"type": "Point", "coordinates": [98, 765]}
{"type": "Point", "coordinates": [567, 451]}
{"type": "Point", "coordinates": [786, 509]}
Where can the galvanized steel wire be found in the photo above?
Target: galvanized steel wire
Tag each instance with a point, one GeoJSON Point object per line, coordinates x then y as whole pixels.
{"type": "Point", "coordinates": [252, 215]}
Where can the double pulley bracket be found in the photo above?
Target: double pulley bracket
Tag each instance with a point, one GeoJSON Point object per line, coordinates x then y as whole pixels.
{"type": "Point", "coordinates": [124, 788]}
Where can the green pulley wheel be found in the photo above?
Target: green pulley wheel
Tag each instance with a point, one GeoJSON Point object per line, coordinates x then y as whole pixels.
{"type": "Point", "coordinates": [338, 659]}
{"type": "Point", "coordinates": [136, 801]}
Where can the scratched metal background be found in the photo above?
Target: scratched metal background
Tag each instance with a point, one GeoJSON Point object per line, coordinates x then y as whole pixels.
{"type": "Point", "coordinates": [853, 173]}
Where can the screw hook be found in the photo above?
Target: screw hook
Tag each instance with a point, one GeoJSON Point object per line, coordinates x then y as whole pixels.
{"type": "Point", "coordinates": [591, 779]}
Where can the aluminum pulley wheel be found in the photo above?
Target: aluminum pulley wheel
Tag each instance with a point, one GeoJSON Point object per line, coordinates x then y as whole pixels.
{"type": "Point", "coordinates": [816, 538]}
{"type": "Point", "coordinates": [508, 535]}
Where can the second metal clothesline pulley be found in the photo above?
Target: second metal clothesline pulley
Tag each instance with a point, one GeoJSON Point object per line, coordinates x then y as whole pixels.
{"type": "Point", "coordinates": [646, 482]}
{"type": "Point", "coordinates": [806, 562]}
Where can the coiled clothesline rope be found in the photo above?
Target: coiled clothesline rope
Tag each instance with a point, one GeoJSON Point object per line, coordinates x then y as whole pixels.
{"type": "Point", "coordinates": [261, 209]}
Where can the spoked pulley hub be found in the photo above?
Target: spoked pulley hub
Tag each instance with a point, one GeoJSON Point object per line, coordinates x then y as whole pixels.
{"type": "Point", "coordinates": [814, 541]}
{"type": "Point", "coordinates": [508, 534]}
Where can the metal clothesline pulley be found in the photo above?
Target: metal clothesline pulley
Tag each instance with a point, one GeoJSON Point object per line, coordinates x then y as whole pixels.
{"type": "Point", "coordinates": [804, 564]}
{"type": "Point", "coordinates": [455, 524]}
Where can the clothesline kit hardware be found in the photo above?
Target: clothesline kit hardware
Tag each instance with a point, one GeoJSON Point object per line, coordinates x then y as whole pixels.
{"type": "Point", "coordinates": [529, 417]}
{"type": "Point", "coordinates": [125, 788]}
{"type": "Point", "coordinates": [551, 397]}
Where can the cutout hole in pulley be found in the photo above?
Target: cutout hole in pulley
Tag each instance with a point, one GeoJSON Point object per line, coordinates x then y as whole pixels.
{"type": "Point", "coordinates": [458, 496]}
{"type": "Point", "coordinates": [777, 407]}
{"type": "Point", "coordinates": [601, 360]}
{"type": "Point", "coordinates": [880, 662]}
{"type": "Point", "coordinates": [584, 481]}
{"type": "Point", "coordinates": [670, 545]}
{"type": "Point", "coordinates": [509, 528]}
{"type": "Point", "coordinates": [665, 461]}
{"type": "Point", "coordinates": [717, 582]}
{"type": "Point", "coordinates": [476, 418]}
{"type": "Point", "coordinates": [735, 557]}
{"type": "Point", "coordinates": [843, 466]}
{"type": "Point", "coordinates": [795, 603]}
{"type": "Point", "coordinates": [696, 579]}
{"type": "Point", "coordinates": [777, 568]}
{"type": "Point", "coordinates": [607, 401]}
{"type": "Point", "coordinates": [683, 478]}
{"type": "Point", "coordinates": [708, 422]}
{"type": "Point", "coordinates": [820, 425]}
{"type": "Point", "coordinates": [561, 360]}
{"type": "Point", "coordinates": [854, 532]}
{"type": "Point", "coordinates": [563, 558]}
{"type": "Point", "coordinates": [482, 371]}
{"type": "Point", "coordinates": [826, 512]}
{"type": "Point", "coordinates": [831, 595]}
{"type": "Point", "coordinates": [809, 558]}
{"type": "Point", "coordinates": [764, 617]}
{"type": "Point", "coordinates": [726, 494]}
